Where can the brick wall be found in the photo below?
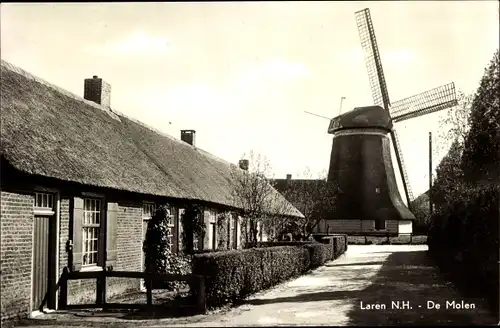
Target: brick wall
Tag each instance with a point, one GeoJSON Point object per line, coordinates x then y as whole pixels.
{"type": "Point", "coordinates": [129, 247]}
{"type": "Point", "coordinates": [129, 237]}
{"type": "Point", "coordinates": [129, 250]}
{"type": "Point", "coordinates": [16, 253]}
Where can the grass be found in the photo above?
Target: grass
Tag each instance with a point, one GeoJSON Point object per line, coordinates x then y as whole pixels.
{"type": "Point", "coordinates": [400, 240]}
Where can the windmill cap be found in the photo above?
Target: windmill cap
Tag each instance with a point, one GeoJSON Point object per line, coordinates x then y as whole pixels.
{"type": "Point", "coordinates": [362, 117]}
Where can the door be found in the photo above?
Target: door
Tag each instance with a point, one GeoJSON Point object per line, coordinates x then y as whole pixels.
{"type": "Point", "coordinates": [40, 261]}
{"type": "Point", "coordinates": [44, 252]}
{"type": "Point", "coordinates": [44, 249]}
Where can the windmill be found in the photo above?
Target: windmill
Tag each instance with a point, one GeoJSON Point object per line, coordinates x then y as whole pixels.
{"type": "Point", "coordinates": [361, 158]}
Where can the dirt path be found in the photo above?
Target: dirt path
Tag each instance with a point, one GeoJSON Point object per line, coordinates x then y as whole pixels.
{"type": "Point", "coordinates": [340, 292]}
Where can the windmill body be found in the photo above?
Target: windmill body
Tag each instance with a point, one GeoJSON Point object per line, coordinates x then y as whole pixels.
{"type": "Point", "coordinates": [362, 168]}
{"type": "Point", "coordinates": [361, 164]}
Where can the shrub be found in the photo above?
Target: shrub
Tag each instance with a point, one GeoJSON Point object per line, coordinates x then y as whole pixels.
{"type": "Point", "coordinates": [465, 235]}
{"type": "Point", "coordinates": [339, 242]}
{"type": "Point", "coordinates": [319, 253]}
{"type": "Point", "coordinates": [235, 274]}
{"type": "Point", "coordinates": [283, 243]}
{"type": "Point", "coordinates": [158, 256]}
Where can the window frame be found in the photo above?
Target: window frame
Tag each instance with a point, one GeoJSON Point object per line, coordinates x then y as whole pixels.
{"type": "Point", "coordinates": [143, 214]}
{"type": "Point", "coordinates": [99, 234]}
{"type": "Point", "coordinates": [153, 209]}
{"type": "Point", "coordinates": [39, 208]}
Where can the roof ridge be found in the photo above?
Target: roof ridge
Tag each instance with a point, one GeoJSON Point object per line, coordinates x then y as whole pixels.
{"type": "Point", "coordinates": [112, 112]}
{"type": "Point", "coordinates": [65, 92]}
{"type": "Point", "coordinates": [164, 134]}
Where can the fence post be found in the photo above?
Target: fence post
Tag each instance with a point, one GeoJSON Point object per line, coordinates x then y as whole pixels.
{"type": "Point", "coordinates": [63, 294]}
{"type": "Point", "coordinates": [149, 293]}
{"type": "Point", "coordinates": [101, 288]}
{"type": "Point", "coordinates": [200, 295]}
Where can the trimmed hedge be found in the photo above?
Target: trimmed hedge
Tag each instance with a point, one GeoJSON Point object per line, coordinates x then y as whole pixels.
{"type": "Point", "coordinates": [283, 243]}
{"type": "Point", "coordinates": [319, 254]}
{"type": "Point", "coordinates": [235, 274]}
{"type": "Point", "coordinates": [463, 239]}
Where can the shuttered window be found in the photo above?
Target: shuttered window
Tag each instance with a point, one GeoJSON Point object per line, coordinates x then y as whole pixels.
{"type": "Point", "coordinates": [94, 233]}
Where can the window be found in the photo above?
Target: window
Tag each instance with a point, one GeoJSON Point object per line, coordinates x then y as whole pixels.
{"type": "Point", "coordinates": [44, 201]}
{"type": "Point", "coordinates": [148, 210]}
{"type": "Point", "coordinates": [91, 230]}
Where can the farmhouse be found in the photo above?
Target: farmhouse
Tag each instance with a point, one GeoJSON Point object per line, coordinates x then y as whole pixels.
{"type": "Point", "coordinates": [79, 183]}
{"type": "Point", "coordinates": [347, 225]}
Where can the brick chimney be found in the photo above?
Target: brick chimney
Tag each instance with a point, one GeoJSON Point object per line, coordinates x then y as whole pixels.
{"type": "Point", "coordinates": [188, 136]}
{"type": "Point", "coordinates": [288, 177]}
{"type": "Point", "coordinates": [98, 91]}
{"type": "Point", "coordinates": [243, 164]}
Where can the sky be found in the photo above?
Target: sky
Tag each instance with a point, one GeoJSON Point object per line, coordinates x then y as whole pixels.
{"type": "Point", "coordinates": [243, 74]}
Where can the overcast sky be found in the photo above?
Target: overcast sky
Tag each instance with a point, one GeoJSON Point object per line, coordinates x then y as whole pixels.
{"type": "Point", "coordinates": [242, 74]}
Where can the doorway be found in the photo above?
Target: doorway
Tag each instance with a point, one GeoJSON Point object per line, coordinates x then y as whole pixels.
{"type": "Point", "coordinates": [44, 253]}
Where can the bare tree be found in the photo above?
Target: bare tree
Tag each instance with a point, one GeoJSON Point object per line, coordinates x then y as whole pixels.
{"type": "Point", "coordinates": [455, 126]}
{"type": "Point", "coordinates": [257, 200]}
{"type": "Point", "coordinates": [314, 198]}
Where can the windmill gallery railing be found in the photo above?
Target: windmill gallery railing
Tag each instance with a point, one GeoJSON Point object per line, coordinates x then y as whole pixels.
{"type": "Point", "coordinates": [196, 283]}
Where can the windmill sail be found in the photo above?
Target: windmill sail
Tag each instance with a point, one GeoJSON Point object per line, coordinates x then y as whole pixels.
{"type": "Point", "coordinates": [372, 58]}
{"type": "Point", "coordinates": [399, 156]}
{"type": "Point", "coordinates": [424, 103]}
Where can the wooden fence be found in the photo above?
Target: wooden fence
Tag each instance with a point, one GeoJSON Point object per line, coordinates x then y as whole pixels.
{"type": "Point", "coordinates": [196, 283]}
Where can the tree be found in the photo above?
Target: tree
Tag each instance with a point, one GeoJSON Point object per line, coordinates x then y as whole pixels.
{"type": "Point", "coordinates": [314, 198]}
{"type": "Point", "coordinates": [482, 145]}
{"type": "Point", "coordinates": [455, 126]}
{"type": "Point", "coordinates": [420, 207]}
{"type": "Point", "coordinates": [449, 176]}
{"type": "Point", "coordinates": [255, 197]}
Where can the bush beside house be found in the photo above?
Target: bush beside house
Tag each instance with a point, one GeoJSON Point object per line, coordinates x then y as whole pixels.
{"type": "Point", "coordinates": [234, 275]}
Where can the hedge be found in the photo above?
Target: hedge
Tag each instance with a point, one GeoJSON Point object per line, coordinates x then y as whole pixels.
{"type": "Point", "coordinates": [464, 239]}
{"type": "Point", "coordinates": [319, 254]}
{"type": "Point", "coordinates": [283, 243]}
{"type": "Point", "coordinates": [235, 274]}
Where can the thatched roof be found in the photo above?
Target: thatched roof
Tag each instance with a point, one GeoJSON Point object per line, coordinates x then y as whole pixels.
{"type": "Point", "coordinates": [50, 132]}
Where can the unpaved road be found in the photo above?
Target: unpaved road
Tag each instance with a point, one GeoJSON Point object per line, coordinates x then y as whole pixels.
{"type": "Point", "coordinates": [332, 296]}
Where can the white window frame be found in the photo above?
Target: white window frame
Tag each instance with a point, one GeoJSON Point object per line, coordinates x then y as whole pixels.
{"type": "Point", "coordinates": [96, 227]}
{"type": "Point", "coordinates": [151, 208]}
{"type": "Point", "coordinates": [44, 203]}
{"type": "Point", "coordinates": [148, 210]}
